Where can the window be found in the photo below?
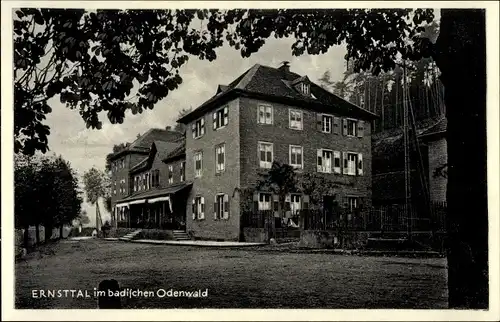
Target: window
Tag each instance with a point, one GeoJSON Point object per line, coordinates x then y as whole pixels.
{"type": "Point", "coordinates": [198, 164]}
{"type": "Point", "coordinates": [221, 206]}
{"type": "Point", "coordinates": [336, 162]}
{"type": "Point", "coordinates": [265, 114]}
{"type": "Point", "coordinates": [264, 201]}
{"type": "Point", "coordinates": [220, 118]}
{"type": "Point", "coordinates": [265, 155]}
{"type": "Point", "coordinates": [136, 183]}
{"type": "Point", "coordinates": [170, 174]}
{"type": "Point", "coordinates": [114, 189]}
{"type": "Point", "coordinates": [295, 204]}
{"type": "Point", "coordinates": [351, 127]}
{"type": "Point", "coordinates": [295, 118]}
{"type": "Point", "coordinates": [305, 88]}
{"type": "Point", "coordinates": [327, 123]}
{"type": "Point", "coordinates": [352, 203]}
{"type": "Point", "coordinates": [183, 171]}
{"type": "Point", "coordinates": [148, 181]}
{"type": "Point", "coordinates": [220, 157]}
{"type": "Point", "coordinates": [143, 182]}
{"type": "Point", "coordinates": [296, 159]}
{"type": "Point", "coordinates": [155, 178]}
{"type": "Point", "coordinates": [353, 163]}
{"type": "Point", "coordinates": [198, 208]}
{"type": "Point", "coordinates": [324, 163]}
{"type": "Point", "coordinates": [123, 163]}
{"type": "Point", "coordinates": [198, 128]}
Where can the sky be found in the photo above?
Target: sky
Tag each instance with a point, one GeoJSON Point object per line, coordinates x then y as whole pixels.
{"type": "Point", "coordinates": [86, 148]}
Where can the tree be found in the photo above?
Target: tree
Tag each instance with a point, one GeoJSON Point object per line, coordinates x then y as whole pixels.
{"type": "Point", "coordinates": [281, 180]}
{"type": "Point", "coordinates": [96, 186]}
{"type": "Point", "coordinates": [179, 127]}
{"type": "Point", "coordinates": [46, 194]}
{"type": "Point", "coordinates": [316, 186]}
{"type": "Point", "coordinates": [83, 218]}
{"type": "Point", "coordinates": [92, 60]}
{"type": "Point", "coordinates": [379, 39]}
{"type": "Point", "coordinates": [127, 45]}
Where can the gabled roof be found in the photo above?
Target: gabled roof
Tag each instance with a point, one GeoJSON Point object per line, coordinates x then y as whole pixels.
{"type": "Point", "coordinates": [158, 148]}
{"type": "Point", "coordinates": [178, 153]}
{"type": "Point", "coordinates": [270, 84]}
{"type": "Point", "coordinates": [143, 143]}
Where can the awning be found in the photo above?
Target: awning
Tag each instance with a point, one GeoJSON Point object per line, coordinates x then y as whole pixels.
{"type": "Point", "coordinates": [125, 204]}
{"type": "Point", "coordinates": [166, 198]}
{"type": "Point", "coordinates": [137, 201]}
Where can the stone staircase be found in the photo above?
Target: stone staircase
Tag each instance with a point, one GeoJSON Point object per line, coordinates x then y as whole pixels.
{"type": "Point", "coordinates": [181, 235]}
{"type": "Point", "coordinates": [131, 235]}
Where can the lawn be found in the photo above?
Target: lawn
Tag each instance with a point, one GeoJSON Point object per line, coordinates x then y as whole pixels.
{"type": "Point", "coordinates": [235, 278]}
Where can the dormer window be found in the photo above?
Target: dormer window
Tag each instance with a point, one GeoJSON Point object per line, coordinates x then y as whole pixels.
{"type": "Point", "coordinates": [305, 89]}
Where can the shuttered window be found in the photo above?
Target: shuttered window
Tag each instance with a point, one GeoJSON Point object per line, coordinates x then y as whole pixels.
{"type": "Point", "coordinates": [326, 123]}
{"type": "Point", "coordinates": [264, 201]}
{"type": "Point", "coordinates": [198, 210]}
{"type": "Point", "coordinates": [220, 157]}
{"type": "Point", "coordinates": [221, 206]}
{"type": "Point", "coordinates": [324, 160]}
{"type": "Point", "coordinates": [198, 164]}
{"type": "Point", "coordinates": [220, 118]}
{"type": "Point", "coordinates": [170, 174]}
{"type": "Point", "coordinates": [198, 128]}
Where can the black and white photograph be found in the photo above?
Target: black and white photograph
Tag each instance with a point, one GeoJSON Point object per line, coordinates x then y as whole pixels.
{"type": "Point", "coordinates": [294, 155]}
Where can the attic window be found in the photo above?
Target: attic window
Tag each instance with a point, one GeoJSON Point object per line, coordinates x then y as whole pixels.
{"type": "Point", "coordinates": [305, 89]}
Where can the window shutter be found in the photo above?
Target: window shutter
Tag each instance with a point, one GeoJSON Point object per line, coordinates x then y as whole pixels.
{"type": "Point", "coordinates": [336, 156]}
{"type": "Point", "coordinates": [344, 166]}
{"type": "Point", "coordinates": [305, 202]}
{"type": "Point", "coordinates": [215, 207]}
{"type": "Point", "coordinates": [255, 206]}
{"type": "Point", "coordinates": [226, 206]}
{"type": "Point", "coordinates": [287, 203]}
{"type": "Point", "coordinates": [319, 162]}
{"type": "Point", "coordinates": [202, 121]}
{"type": "Point", "coordinates": [361, 128]}
{"type": "Point", "coordinates": [193, 129]}
{"type": "Point", "coordinates": [194, 208]}
{"type": "Point", "coordinates": [360, 164]}
{"type": "Point", "coordinates": [226, 113]}
{"type": "Point", "coordinates": [276, 204]}
{"type": "Point", "coordinates": [214, 116]}
{"type": "Point", "coordinates": [344, 126]}
{"type": "Point", "coordinates": [319, 121]}
{"type": "Point", "coordinates": [336, 125]}
{"type": "Point", "coordinates": [202, 213]}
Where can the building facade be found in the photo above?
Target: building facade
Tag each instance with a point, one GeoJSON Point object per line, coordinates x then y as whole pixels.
{"type": "Point", "coordinates": [142, 154]}
{"type": "Point", "coordinates": [265, 115]}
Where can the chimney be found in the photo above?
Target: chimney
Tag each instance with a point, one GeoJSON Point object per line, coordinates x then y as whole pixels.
{"type": "Point", "coordinates": [285, 66]}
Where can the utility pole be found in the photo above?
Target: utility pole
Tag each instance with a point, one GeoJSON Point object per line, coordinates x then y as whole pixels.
{"type": "Point", "coordinates": [406, 154]}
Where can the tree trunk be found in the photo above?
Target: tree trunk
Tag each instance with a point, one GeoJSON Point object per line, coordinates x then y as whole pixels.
{"type": "Point", "coordinates": [48, 232]}
{"type": "Point", "coordinates": [26, 237]}
{"type": "Point", "coordinates": [460, 53]}
{"type": "Point", "coordinates": [61, 231]}
{"type": "Point", "coordinates": [37, 233]}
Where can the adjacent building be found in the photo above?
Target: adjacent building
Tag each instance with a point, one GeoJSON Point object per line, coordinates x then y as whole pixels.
{"type": "Point", "coordinates": [270, 114]}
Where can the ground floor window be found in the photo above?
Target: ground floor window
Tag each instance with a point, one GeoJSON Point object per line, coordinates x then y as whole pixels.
{"type": "Point", "coordinates": [221, 206]}
{"type": "Point", "coordinates": [352, 203]}
{"type": "Point", "coordinates": [265, 201]}
{"type": "Point", "coordinates": [198, 208]}
{"type": "Point", "coordinates": [295, 204]}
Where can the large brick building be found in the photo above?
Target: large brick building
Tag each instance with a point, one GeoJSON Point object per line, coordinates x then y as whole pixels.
{"type": "Point", "coordinates": [270, 114]}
